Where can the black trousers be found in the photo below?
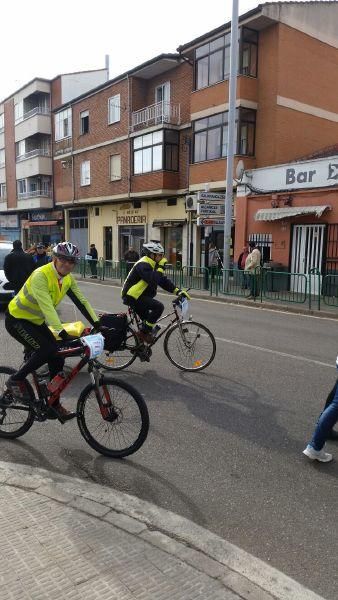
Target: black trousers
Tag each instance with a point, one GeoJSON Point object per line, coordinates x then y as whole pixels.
{"type": "Point", "coordinates": [38, 338]}
{"type": "Point", "coordinates": [148, 309]}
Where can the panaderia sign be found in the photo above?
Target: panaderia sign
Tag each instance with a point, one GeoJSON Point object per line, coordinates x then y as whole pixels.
{"type": "Point", "coordinates": [317, 173]}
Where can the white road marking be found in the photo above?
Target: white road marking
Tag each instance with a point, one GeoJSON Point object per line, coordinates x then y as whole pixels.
{"type": "Point", "coordinates": [251, 346]}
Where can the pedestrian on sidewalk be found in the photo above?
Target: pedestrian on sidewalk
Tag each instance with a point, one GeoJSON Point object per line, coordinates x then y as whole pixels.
{"type": "Point", "coordinates": [324, 428]}
{"type": "Point", "coordinates": [18, 266]}
{"type": "Point", "coordinates": [130, 257]}
{"type": "Point", "coordinates": [93, 255]}
{"type": "Point", "coordinates": [241, 265]}
{"type": "Point", "coordinates": [41, 258]}
{"type": "Point", "coordinates": [252, 268]}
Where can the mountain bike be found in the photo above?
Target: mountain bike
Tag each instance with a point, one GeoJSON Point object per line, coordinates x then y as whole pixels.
{"type": "Point", "coordinates": [112, 415]}
{"type": "Point", "coordinates": [189, 345]}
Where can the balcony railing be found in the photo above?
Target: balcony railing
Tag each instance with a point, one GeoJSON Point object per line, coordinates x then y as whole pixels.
{"type": "Point", "coordinates": [33, 153]}
{"type": "Point", "coordinates": [155, 114]}
{"type": "Point", "coordinates": [34, 194]}
{"type": "Point", "coordinates": [38, 110]}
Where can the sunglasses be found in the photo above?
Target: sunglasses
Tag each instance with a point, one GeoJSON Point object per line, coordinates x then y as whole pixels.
{"type": "Point", "coordinates": [63, 259]}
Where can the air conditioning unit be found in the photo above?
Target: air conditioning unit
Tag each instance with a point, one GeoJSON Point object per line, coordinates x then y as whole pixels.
{"type": "Point", "coordinates": [191, 202]}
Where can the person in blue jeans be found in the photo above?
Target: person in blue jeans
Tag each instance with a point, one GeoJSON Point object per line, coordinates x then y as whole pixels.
{"type": "Point", "coordinates": [327, 420]}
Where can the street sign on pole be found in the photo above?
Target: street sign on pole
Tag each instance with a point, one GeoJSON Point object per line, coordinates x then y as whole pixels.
{"type": "Point", "coordinates": [209, 221]}
{"type": "Point", "coordinates": [209, 196]}
{"type": "Point", "coordinates": [210, 209]}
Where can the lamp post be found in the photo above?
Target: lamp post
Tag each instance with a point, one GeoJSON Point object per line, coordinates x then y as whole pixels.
{"type": "Point", "coordinates": [231, 138]}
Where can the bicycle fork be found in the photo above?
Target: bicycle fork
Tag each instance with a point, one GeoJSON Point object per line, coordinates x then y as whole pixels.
{"type": "Point", "coordinates": [104, 401]}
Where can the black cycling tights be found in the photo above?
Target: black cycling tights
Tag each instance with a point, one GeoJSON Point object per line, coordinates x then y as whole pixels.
{"type": "Point", "coordinates": [148, 309]}
{"type": "Point", "coordinates": [38, 338]}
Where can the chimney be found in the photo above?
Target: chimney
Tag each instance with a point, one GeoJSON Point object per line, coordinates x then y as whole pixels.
{"type": "Point", "coordinates": [106, 60]}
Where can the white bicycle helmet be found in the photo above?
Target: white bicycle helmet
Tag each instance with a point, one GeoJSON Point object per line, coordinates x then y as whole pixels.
{"type": "Point", "coordinates": [66, 250]}
{"type": "Point", "coordinates": [153, 248]}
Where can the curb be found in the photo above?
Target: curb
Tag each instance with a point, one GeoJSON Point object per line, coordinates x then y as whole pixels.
{"type": "Point", "coordinates": [239, 571]}
{"type": "Point", "coordinates": [238, 302]}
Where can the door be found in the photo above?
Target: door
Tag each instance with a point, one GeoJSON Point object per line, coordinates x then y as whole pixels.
{"type": "Point", "coordinates": [108, 243]}
{"type": "Point", "coordinates": [307, 254]}
{"type": "Point", "coordinates": [162, 94]}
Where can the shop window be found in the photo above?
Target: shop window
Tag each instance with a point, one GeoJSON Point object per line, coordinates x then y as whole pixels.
{"type": "Point", "coordinates": [84, 122]}
{"type": "Point", "coordinates": [212, 60]}
{"type": "Point", "coordinates": [211, 135]}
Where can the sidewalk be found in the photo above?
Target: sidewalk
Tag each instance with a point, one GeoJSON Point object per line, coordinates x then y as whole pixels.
{"type": "Point", "coordinates": [68, 539]}
{"type": "Point", "coordinates": [328, 312]}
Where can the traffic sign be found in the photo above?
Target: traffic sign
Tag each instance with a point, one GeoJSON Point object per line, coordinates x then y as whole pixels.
{"type": "Point", "coordinates": [210, 209]}
{"type": "Point", "coordinates": [209, 222]}
{"type": "Point", "coordinates": [209, 196]}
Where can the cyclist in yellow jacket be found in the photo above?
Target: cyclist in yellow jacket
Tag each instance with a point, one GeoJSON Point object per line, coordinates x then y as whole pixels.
{"type": "Point", "coordinates": [140, 288]}
{"type": "Point", "coordinates": [32, 310]}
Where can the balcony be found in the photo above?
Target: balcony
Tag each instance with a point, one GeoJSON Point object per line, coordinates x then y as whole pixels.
{"type": "Point", "coordinates": [33, 153]}
{"type": "Point", "coordinates": [35, 121]}
{"type": "Point", "coordinates": [35, 199]}
{"type": "Point", "coordinates": [156, 114]}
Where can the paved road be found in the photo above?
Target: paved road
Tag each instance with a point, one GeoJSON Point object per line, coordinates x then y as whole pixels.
{"type": "Point", "coordinates": [225, 445]}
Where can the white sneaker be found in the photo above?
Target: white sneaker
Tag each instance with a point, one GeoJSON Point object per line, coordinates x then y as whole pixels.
{"type": "Point", "coordinates": [320, 455]}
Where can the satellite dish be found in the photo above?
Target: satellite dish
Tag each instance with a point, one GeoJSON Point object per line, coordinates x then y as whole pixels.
{"type": "Point", "coordinates": [240, 170]}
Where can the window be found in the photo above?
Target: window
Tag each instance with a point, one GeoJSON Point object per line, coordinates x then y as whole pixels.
{"type": "Point", "coordinates": [248, 53]}
{"type": "Point", "coordinates": [212, 60]}
{"type": "Point", "coordinates": [115, 167]}
{"type": "Point", "coordinates": [2, 157]}
{"type": "Point", "coordinates": [85, 172]}
{"type": "Point", "coordinates": [156, 151]}
{"type": "Point", "coordinates": [18, 112]}
{"type": "Point", "coordinates": [21, 186]}
{"type": "Point", "coordinates": [3, 191]}
{"type": "Point", "coordinates": [63, 124]}
{"type": "Point", "coordinates": [211, 135]}
{"type": "Point", "coordinates": [78, 219]}
{"type": "Point", "coordinates": [84, 122]}
{"type": "Point", "coordinates": [114, 106]}
{"type": "Point", "coordinates": [20, 148]}
{"type": "Point", "coordinates": [2, 122]}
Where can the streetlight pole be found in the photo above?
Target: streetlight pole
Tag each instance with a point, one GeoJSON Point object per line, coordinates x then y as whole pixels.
{"type": "Point", "coordinates": [231, 137]}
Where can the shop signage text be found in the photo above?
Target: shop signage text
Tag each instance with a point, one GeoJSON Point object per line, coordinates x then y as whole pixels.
{"type": "Point", "coordinates": [131, 220]}
{"type": "Point", "coordinates": [209, 196]}
{"type": "Point", "coordinates": [204, 221]}
{"type": "Point", "coordinates": [210, 209]}
{"type": "Point", "coordinates": [322, 172]}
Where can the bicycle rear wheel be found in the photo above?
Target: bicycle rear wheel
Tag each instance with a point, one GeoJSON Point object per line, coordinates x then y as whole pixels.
{"type": "Point", "coordinates": [190, 346]}
{"type": "Point", "coordinates": [121, 358]}
{"type": "Point", "coordinates": [15, 417]}
{"type": "Point", "coordinates": [119, 424]}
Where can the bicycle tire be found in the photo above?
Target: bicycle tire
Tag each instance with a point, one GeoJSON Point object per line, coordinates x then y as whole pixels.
{"type": "Point", "coordinates": [183, 348]}
{"type": "Point", "coordinates": [142, 411]}
{"type": "Point", "coordinates": [106, 359]}
{"type": "Point", "coordinates": [27, 423]}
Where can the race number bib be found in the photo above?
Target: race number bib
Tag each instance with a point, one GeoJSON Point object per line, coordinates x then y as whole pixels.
{"type": "Point", "coordinates": [95, 343]}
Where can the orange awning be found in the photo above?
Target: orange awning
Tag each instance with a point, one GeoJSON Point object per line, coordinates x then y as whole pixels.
{"type": "Point", "coordinates": [40, 223]}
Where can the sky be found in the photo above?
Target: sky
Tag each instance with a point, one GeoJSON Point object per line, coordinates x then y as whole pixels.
{"type": "Point", "coordinates": [43, 39]}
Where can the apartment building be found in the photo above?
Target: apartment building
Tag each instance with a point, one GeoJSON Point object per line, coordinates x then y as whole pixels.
{"type": "Point", "coordinates": [27, 207]}
{"type": "Point", "coordinates": [286, 105]}
{"type": "Point", "coordinates": [121, 160]}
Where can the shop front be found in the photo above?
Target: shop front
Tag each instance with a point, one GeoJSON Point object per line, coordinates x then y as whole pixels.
{"type": "Point", "coordinates": [131, 223]}
{"type": "Point", "coordinates": [9, 227]}
{"type": "Point", "coordinates": [172, 238]}
{"type": "Point", "coordinates": [45, 227]}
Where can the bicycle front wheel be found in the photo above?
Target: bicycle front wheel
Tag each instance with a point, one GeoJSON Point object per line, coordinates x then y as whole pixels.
{"type": "Point", "coordinates": [15, 417]}
{"type": "Point", "coordinates": [190, 346]}
{"type": "Point", "coordinates": [118, 424]}
{"type": "Point", "coordinates": [119, 359]}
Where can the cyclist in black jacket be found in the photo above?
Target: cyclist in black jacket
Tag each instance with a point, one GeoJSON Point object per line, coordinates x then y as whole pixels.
{"type": "Point", "coordinates": [140, 288]}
